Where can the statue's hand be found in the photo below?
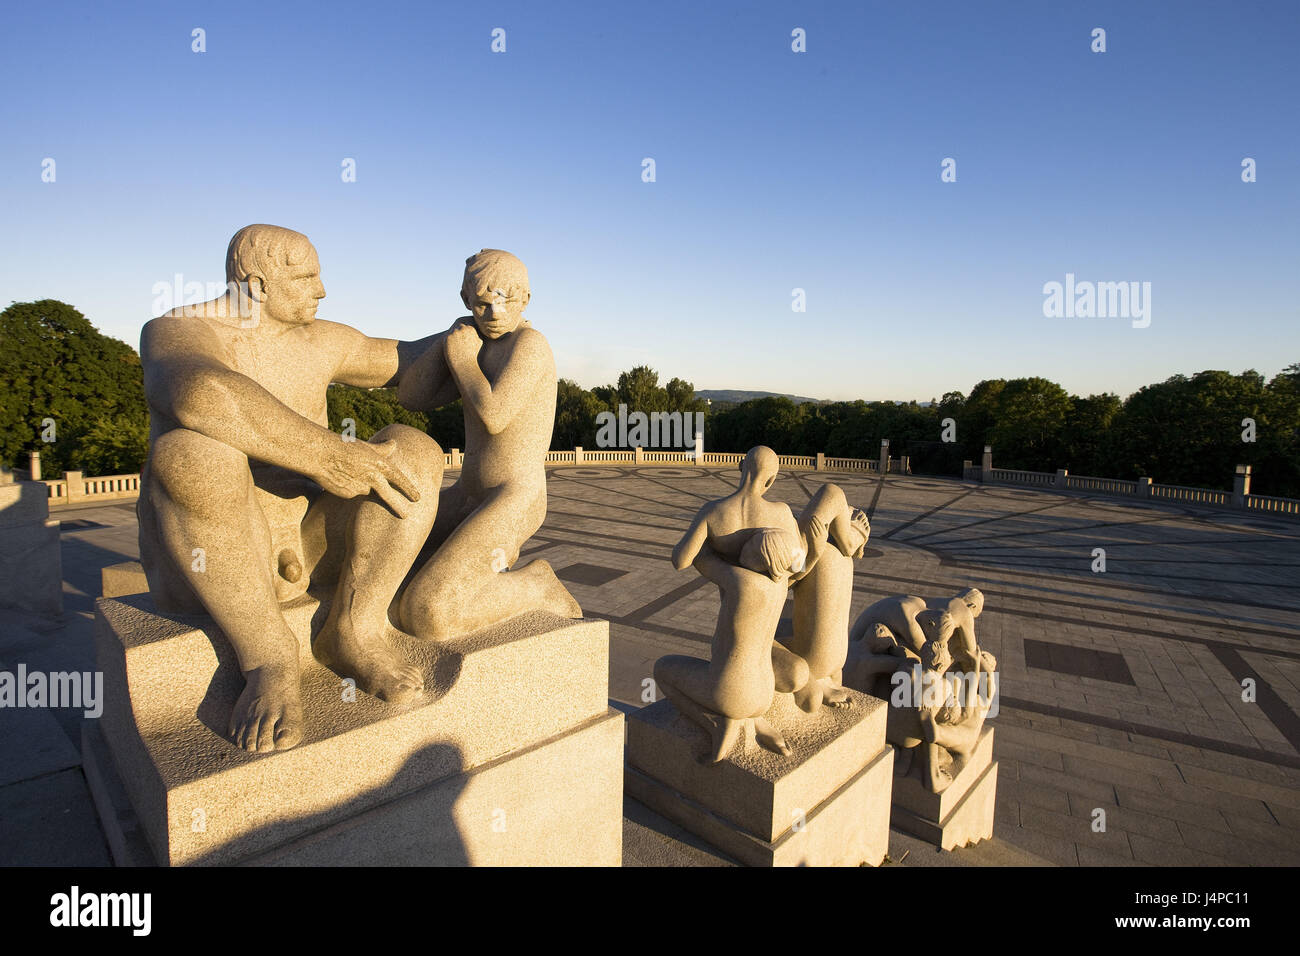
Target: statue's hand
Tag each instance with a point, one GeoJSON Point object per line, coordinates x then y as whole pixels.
{"type": "Point", "coordinates": [463, 344]}
{"type": "Point", "coordinates": [356, 468]}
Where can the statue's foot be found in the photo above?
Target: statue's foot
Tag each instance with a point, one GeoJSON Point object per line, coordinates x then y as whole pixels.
{"type": "Point", "coordinates": [809, 697]}
{"type": "Point", "coordinates": [378, 668]}
{"type": "Point", "coordinates": [725, 734]}
{"type": "Point", "coordinates": [834, 695]}
{"type": "Point", "coordinates": [769, 737]}
{"type": "Point", "coordinates": [555, 596]}
{"type": "Point", "coordinates": [268, 714]}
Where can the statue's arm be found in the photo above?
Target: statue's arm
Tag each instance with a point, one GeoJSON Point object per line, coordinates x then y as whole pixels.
{"type": "Point", "coordinates": [375, 363]}
{"type": "Point", "coordinates": [428, 383]}
{"type": "Point", "coordinates": [187, 380]}
{"type": "Point", "coordinates": [499, 403]}
{"type": "Point", "coordinates": [692, 541]}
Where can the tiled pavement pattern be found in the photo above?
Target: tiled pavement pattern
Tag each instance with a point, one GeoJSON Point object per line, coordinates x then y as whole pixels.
{"type": "Point", "coordinates": [1120, 691]}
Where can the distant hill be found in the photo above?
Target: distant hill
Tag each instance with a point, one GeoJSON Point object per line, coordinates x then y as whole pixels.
{"type": "Point", "coordinates": [739, 395]}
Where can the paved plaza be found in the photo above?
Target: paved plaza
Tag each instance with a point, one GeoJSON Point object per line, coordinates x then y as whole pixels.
{"type": "Point", "coordinates": [1121, 690]}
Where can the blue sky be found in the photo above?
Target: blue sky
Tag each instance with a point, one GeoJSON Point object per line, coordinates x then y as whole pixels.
{"type": "Point", "coordinates": [775, 170]}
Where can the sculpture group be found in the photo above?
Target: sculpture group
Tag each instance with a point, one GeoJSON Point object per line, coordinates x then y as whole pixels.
{"type": "Point", "coordinates": [248, 499]}
{"type": "Point", "coordinates": [758, 554]}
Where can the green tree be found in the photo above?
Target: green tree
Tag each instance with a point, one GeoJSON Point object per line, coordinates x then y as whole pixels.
{"type": "Point", "coordinates": [1086, 434]}
{"type": "Point", "coordinates": [977, 416]}
{"type": "Point", "coordinates": [575, 416]}
{"type": "Point", "coordinates": [1189, 430]}
{"type": "Point", "coordinates": [55, 365]}
{"type": "Point", "coordinates": [1028, 416]}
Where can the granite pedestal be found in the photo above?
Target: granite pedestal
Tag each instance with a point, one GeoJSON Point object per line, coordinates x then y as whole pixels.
{"type": "Point", "coordinates": [825, 805]}
{"type": "Point", "coordinates": [962, 814]}
{"type": "Point", "coordinates": [512, 756]}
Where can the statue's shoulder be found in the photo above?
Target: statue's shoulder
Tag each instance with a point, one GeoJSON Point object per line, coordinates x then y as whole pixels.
{"type": "Point", "coordinates": [533, 349]}
{"type": "Point", "coordinates": [532, 338]}
{"type": "Point", "coordinates": [173, 331]}
{"type": "Point", "coordinates": [325, 330]}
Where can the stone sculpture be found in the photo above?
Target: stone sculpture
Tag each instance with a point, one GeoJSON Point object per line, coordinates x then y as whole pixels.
{"type": "Point", "coordinates": [823, 596]}
{"type": "Point", "coordinates": [752, 549]}
{"type": "Point", "coordinates": [921, 654]}
{"type": "Point", "coordinates": [248, 498]}
{"type": "Point", "coordinates": [503, 370]}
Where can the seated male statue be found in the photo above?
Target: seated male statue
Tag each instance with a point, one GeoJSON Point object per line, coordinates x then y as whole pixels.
{"type": "Point", "coordinates": [503, 370]}
{"type": "Point", "coordinates": [247, 495]}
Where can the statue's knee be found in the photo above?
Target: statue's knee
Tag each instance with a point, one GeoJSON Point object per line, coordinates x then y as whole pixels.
{"type": "Point", "coordinates": [799, 674]}
{"type": "Point", "coordinates": [417, 454]}
{"type": "Point", "coordinates": [425, 614]}
{"type": "Point", "coordinates": [829, 499]}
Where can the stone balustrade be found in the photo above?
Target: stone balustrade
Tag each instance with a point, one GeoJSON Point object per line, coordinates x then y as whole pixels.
{"type": "Point", "coordinates": [75, 488]}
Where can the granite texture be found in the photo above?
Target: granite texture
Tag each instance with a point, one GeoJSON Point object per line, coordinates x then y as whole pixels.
{"type": "Point", "coordinates": [168, 683]}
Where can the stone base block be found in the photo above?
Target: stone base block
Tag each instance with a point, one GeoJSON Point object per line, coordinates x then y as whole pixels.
{"type": "Point", "coordinates": [960, 815]}
{"type": "Point", "coordinates": [558, 803]}
{"type": "Point", "coordinates": [825, 805]}
{"type": "Point", "coordinates": [531, 693]}
{"type": "Point", "coordinates": [119, 580]}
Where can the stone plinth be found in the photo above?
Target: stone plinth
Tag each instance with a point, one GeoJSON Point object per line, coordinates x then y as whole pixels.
{"type": "Point", "coordinates": [119, 580]}
{"type": "Point", "coordinates": [825, 805]}
{"type": "Point", "coordinates": [511, 756]}
{"type": "Point", "coordinates": [31, 566]}
{"type": "Point", "coordinates": [959, 816]}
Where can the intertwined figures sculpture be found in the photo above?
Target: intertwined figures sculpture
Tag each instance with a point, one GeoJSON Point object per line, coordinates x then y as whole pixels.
{"type": "Point", "coordinates": [753, 550]}
{"type": "Point", "coordinates": [921, 655]}
{"type": "Point", "coordinates": [248, 498]}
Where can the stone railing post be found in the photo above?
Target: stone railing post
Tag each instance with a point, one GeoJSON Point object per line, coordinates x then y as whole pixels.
{"type": "Point", "coordinates": [699, 449]}
{"type": "Point", "coordinates": [1062, 479]}
{"type": "Point", "coordinates": [1144, 487]}
{"type": "Point", "coordinates": [34, 465]}
{"type": "Point", "coordinates": [638, 456]}
{"type": "Point", "coordinates": [1241, 486]}
{"type": "Point", "coordinates": [821, 461]}
{"type": "Point", "coordinates": [986, 464]}
{"type": "Point", "coordinates": [577, 454]}
{"type": "Point", "coordinates": [76, 485]}
{"type": "Point", "coordinates": [884, 456]}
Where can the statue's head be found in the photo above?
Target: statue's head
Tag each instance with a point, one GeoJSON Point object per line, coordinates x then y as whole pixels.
{"type": "Point", "coordinates": [973, 599]}
{"type": "Point", "coordinates": [774, 552]}
{"type": "Point", "coordinates": [759, 467]}
{"type": "Point", "coordinates": [881, 640]}
{"type": "Point", "coordinates": [279, 270]}
{"type": "Point", "coordinates": [937, 627]}
{"type": "Point", "coordinates": [496, 290]}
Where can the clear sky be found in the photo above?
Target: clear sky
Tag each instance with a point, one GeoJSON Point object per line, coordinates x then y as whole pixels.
{"type": "Point", "coordinates": [775, 170]}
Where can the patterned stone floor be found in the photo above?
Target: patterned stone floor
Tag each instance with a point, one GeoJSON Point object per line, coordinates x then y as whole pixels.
{"type": "Point", "coordinates": [1121, 690]}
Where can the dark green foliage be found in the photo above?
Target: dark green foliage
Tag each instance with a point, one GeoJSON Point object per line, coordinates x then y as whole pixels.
{"type": "Point", "coordinates": [1186, 430]}
{"type": "Point", "coordinates": [55, 365]}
